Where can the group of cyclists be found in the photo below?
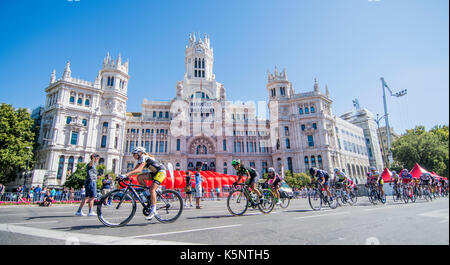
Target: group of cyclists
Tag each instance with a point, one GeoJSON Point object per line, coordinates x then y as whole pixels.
{"type": "Point", "coordinates": [426, 182]}
{"type": "Point", "coordinates": [149, 168]}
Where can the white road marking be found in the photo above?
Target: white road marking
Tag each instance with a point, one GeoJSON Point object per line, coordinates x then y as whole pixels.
{"type": "Point", "coordinates": [317, 215]}
{"type": "Point", "coordinates": [84, 238]}
{"type": "Point", "coordinates": [187, 231]}
{"type": "Point", "coordinates": [441, 214]}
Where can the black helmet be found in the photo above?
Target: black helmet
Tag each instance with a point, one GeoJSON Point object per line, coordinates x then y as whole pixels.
{"type": "Point", "coordinates": [312, 171]}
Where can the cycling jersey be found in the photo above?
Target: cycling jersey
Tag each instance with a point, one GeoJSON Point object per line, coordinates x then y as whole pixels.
{"type": "Point", "coordinates": [243, 171]}
{"type": "Point", "coordinates": [406, 178]}
{"type": "Point", "coordinates": [340, 177]}
{"type": "Point", "coordinates": [372, 177]}
{"type": "Point", "coordinates": [322, 175]}
{"type": "Point", "coordinates": [151, 164]}
{"type": "Point", "coordinates": [275, 180]}
{"type": "Point", "coordinates": [395, 178]}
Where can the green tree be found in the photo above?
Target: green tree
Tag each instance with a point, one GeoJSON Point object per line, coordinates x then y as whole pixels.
{"type": "Point", "coordinates": [16, 142]}
{"type": "Point", "coordinates": [428, 149]}
{"type": "Point", "coordinates": [76, 179]}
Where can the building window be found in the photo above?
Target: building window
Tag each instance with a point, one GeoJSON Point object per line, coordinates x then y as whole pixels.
{"type": "Point", "coordinates": [60, 167]}
{"type": "Point", "coordinates": [103, 143]}
{"type": "Point", "coordinates": [80, 159]}
{"type": "Point", "coordinates": [79, 101]}
{"type": "Point", "coordinates": [264, 166]}
{"type": "Point", "coordinates": [288, 144]}
{"type": "Point", "coordinates": [154, 114]}
{"type": "Point", "coordinates": [72, 99]}
{"type": "Point", "coordinates": [70, 165]}
{"type": "Point", "coordinates": [68, 120]}
{"type": "Point", "coordinates": [306, 163]}
{"type": "Point", "coordinates": [224, 145]}
{"type": "Point", "coordinates": [300, 111]}
{"type": "Point", "coordinates": [319, 160]}
{"type": "Point", "coordinates": [74, 138]}
{"type": "Point", "coordinates": [84, 122]}
{"type": "Point", "coordinates": [310, 140]}
{"type": "Point", "coordinates": [313, 161]}
{"type": "Point", "coordinates": [160, 114]}
{"type": "Point", "coordinates": [314, 126]}
{"type": "Point", "coordinates": [312, 109]}
{"type": "Point", "coordinates": [289, 160]}
{"type": "Point", "coordinates": [303, 127]}
{"type": "Point", "coordinates": [178, 144]}
{"type": "Point", "coordinates": [306, 110]}
{"type": "Point", "coordinates": [286, 131]}
{"type": "Point", "coordinates": [116, 142]}
{"type": "Point", "coordinates": [167, 114]}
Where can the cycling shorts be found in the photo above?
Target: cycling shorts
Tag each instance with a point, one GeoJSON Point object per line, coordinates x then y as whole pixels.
{"type": "Point", "coordinates": [157, 177]}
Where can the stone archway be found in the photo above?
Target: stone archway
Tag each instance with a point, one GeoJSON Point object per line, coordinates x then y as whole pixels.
{"type": "Point", "coordinates": [201, 146]}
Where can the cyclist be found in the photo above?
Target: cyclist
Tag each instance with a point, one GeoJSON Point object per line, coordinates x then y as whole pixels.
{"type": "Point", "coordinates": [251, 174]}
{"type": "Point", "coordinates": [406, 178]}
{"type": "Point", "coordinates": [342, 180]}
{"type": "Point", "coordinates": [375, 177]}
{"type": "Point", "coordinates": [425, 181]}
{"type": "Point", "coordinates": [148, 168]}
{"type": "Point", "coordinates": [396, 179]}
{"type": "Point", "coordinates": [322, 178]}
{"type": "Point", "coordinates": [275, 181]}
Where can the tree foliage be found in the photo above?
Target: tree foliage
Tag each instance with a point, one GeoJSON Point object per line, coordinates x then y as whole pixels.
{"type": "Point", "coordinates": [16, 135]}
{"type": "Point", "coordinates": [296, 180]}
{"type": "Point", "coordinates": [428, 149]}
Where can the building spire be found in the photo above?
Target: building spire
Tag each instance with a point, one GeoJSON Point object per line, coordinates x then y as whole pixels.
{"type": "Point", "coordinates": [67, 71]}
{"type": "Point", "coordinates": [316, 85]}
{"type": "Point", "coordinates": [53, 78]}
{"type": "Point", "coordinates": [327, 92]}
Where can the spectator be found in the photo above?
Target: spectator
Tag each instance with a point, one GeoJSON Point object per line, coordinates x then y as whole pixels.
{"type": "Point", "coordinates": [65, 194]}
{"type": "Point", "coordinates": [47, 199]}
{"type": "Point", "coordinates": [43, 192]}
{"type": "Point", "coordinates": [198, 187]}
{"type": "Point", "coordinates": [37, 193]}
{"type": "Point", "coordinates": [2, 191]}
{"type": "Point", "coordinates": [212, 194]}
{"type": "Point", "coordinates": [30, 194]}
{"type": "Point", "coordinates": [188, 188]}
{"type": "Point", "coordinates": [91, 186]}
{"type": "Point", "coordinates": [218, 193]}
{"type": "Point", "coordinates": [19, 191]}
{"type": "Point", "coordinates": [71, 194]}
{"type": "Point", "coordinates": [107, 182]}
{"type": "Point", "coordinates": [53, 193]}
{"type": "Point", "coordinates": [82, 192]}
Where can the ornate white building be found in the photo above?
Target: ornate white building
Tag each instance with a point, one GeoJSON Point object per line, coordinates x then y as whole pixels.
{"type": "Point", "coordinates": [197, 125]}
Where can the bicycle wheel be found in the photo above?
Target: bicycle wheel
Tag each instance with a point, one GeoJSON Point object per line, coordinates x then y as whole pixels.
{"type": "Point", "coordinates": [373, 197]}
{"type": "Point", "coordinates": [169, 206]}
{"type": "Point", "coordinates": [405, 195]}
{"type": "Point", "coordinates": [116, 208]}
{"type": "Point", "coordinates": [268, 201]}
{"type": "Point", "coordinates": [333, 201]}
{"type": "Point", "coordinates": [284, 202]}
{"type": "Point", "coordinates": [413, 197]}
{"type": "Point", "coordinates": [353, 198]}
{"type": "Point", "coordinates": [315, 199]}
{"type": "Point", "coordinates": [237, 202]}
{"type": "Point", "coordinates": [383, 198]}
{"type": "Point", "coordinates": [395, 196]}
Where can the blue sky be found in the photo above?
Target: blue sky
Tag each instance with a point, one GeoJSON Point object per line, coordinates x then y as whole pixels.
{"type": "Point", "coordinates": [345, 44]}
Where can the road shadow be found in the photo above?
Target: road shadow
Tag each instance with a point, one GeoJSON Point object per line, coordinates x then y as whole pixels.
{"type": "Point", "coordinates": [49, 217]}
{"type": "Point", "coordinates": [212, 217]}
{"type": "Point", "coordinates": [98, 226]}
{"type": "Point", "coordinates": [298, 211]}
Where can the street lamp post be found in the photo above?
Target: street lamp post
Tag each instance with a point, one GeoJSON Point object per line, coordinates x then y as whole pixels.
{"type": "Point", "coordinates": [26, 172]}
{"type": "Point", "coordinates": [377, 120]}
{"type": "Point", "coordinates": [388, 130]}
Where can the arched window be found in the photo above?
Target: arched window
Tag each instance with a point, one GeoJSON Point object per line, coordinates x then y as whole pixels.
{"type": "Point", "coordinates": [72, 99]}
{"type": "Point", "coordinates": [201, 149]}
{"type": "Point", "coordinates": [80, 101]}
{"type": "Point", "coordinates": [112, 81]}
{"type": "Point", "coordinates": [357, 169]}
{"type": "Point", "coordinates": [312, 109]}
{"type": "Point", "coordinates": [306, 163]}
{"type": "Point", "coordinates": [203, 65]}
{"type": "Point", "coordinates": [70, 165]}
{"type": "Point", "coordinates": [190, 165]}
{"type": "Point", "coordinates": [195, 64]}
{"type": "Point", "coordinates": [60, 167]}
{"type": "Point", "coordinates": [313, 161]}
{"type": "Point", "coordinates": [289, 161]}
{"type": "Point", "coordinates": [319, 159]}
{"type": "Point", "coordinates": [80, 159]}
{"type": "Point", "coordinates": [86, 102]}
{"type": "Point", "coordinates": [306, 110]}
{"type": "Point", "coordinates": [354, 170]}
{"type": "Point", "coordinates": [68, 120]}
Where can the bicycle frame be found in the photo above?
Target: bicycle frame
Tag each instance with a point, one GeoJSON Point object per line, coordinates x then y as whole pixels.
{"type": "Point", "coordinates": [130, 187]}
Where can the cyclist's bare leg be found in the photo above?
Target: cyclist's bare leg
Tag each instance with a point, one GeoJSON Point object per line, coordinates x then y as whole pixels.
{"type": "Point", "coordinates": [255, 190]}
{"type": "Point", "coordinates": [153, 189]}
{"type": "Point", "coordinates": [142, 177]}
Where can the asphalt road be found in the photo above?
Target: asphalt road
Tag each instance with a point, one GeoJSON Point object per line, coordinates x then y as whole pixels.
{"type": "Point", "coordinates": [420, 223]}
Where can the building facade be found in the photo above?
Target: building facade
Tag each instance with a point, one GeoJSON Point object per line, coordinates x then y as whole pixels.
{"type": "Point", "coordinates": [197, 125]}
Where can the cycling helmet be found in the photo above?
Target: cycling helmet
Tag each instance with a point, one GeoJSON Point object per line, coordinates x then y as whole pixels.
{"type": "Point", "coordinates": [138, 149]}
{"type": "Point", "coordinates": [372, 169]}
{"type": "Point", "coordinates": [271, 169]}
{"type": "Point", "coordinates": [336, 170]}
{"type": "Point", "coordinates": [312, 171]}
{"type": "Point", "coordinates": [235, 162]}
{"type": "Point", "coordinates": [405, 170]}
{"type": "Point", "coordinates": [394, 172]}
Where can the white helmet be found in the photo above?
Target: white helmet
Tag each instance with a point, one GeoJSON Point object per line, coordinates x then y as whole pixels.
{"type": "Point", "coordinates": [336, 170]}
{"type": "Point", "coordinates": [271, 169]}
{"type": "Point", "coordinates": [138, 149]}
